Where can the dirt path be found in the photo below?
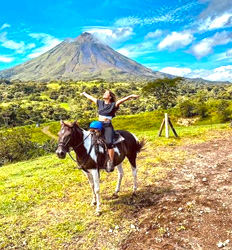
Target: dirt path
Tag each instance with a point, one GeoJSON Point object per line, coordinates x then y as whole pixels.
{"type": "Point", "coordinates": [46, 131]}
{"type": "Point", "coordinates": [195, 211]}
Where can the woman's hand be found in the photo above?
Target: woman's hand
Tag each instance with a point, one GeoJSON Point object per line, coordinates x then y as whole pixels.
{"type": "Point", "coordinates": [125, 99]}
{"type": "Point", "coordinates": [134, 96]}
{"type": "Point", "coordinates": [83, 93]}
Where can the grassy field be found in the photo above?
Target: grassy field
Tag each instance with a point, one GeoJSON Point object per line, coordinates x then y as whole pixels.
{"type": "Point", "coordinates": [45, 202]}
{"type": "Point", "coordinates": [36, 133]}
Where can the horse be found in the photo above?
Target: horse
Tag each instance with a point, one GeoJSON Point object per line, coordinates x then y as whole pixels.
{"type": "Point", "coordinates": [71, 136]}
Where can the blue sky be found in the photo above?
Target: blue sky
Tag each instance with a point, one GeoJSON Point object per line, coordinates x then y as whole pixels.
{"type": "Point", "coordinates": [191, 38]}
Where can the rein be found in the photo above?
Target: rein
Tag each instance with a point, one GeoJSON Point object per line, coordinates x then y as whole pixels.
{"type": "Point", "coordinates": [69, 150]}
{"type": "Point", "coordinates": [85, 160]}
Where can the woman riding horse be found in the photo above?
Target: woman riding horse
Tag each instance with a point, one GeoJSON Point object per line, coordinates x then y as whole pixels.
{"type": "Point", "coordinates": [106, 111]}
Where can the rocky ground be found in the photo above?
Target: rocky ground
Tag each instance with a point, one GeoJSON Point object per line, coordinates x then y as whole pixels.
{"type": "Point", "coordinates": [191, 208]}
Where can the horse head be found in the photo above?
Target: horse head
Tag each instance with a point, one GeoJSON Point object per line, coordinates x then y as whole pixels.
{"type": "Point", "coordinates": [66, 138]}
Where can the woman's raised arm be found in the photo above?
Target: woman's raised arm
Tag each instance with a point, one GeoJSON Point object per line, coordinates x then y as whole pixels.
{"type": "Point", "coordinates": [125, 99]}
{"type": "Point", "coordinates": [91, 98]}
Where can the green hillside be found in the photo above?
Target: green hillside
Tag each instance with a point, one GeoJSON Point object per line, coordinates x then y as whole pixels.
{"type": "Point", "coordinates": [45, 202]}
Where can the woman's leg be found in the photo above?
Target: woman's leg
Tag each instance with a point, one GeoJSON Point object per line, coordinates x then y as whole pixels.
{"type": "Point", "coordinates": [111, 153]}
{"type": "Point", "coordinates": [109, 137]}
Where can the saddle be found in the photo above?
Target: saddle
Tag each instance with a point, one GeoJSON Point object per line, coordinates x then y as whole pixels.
{"type": "Point", "coordinates": [97, 135]}
{"type": "Point", "coordinates": [118, 138]}
{"type": "Point", "coordinates": [99, 141]}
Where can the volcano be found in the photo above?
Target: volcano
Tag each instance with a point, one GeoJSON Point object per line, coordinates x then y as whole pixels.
{"type": "Point", "coordinates": [82, 58]}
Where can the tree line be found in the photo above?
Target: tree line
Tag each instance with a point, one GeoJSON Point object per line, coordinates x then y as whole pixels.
{"type": "Point", "coordinates": [23, 103]}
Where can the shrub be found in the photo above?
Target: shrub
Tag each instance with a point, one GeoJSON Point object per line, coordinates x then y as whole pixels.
{"type": "Point", "coordinates": [16, 145]}
{"type": "Point", "coordinates": [187, 108]}
{"type": "Point", "coordinates": [223, 111]}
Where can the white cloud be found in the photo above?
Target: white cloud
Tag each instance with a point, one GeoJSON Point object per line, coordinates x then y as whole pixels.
{"type": "Point", "coordinates": [215, 8]}
{"type": "Point", "coordinates": [223, 73]}
{"type": "Point", "coordinates": [154, 34]}
{"type": "Point", "coordinates": [216, 14]}
{"type": "Point", "coordinates": [5, 25]}
{"type": "Point", "coordinates": [176, 71]}
{"type": "Point", "coordinates": [216, 22]}
{"type": "Point", "coordinates": [108, 35]}
{"type": "Point", "coordinates": [174, 14]}
{"type": "Point", "coordinates": [133, 21]}
{"type": "Point", "coordinates": [205, 47]}
{"type": "Point", "coordinates": [131, 52]}
{"type": "Point", "coordinates": [6, 59]}
{"type": "Point", "coordinates": [48, 42]}
{"type": "Point", "coordinates": [19, 47]}
{"type": "Point", "coordinates": [124, 52]}
{"type": "Point", "coordinates": [176, 40]}
{"type": "Point", "coordinates": [221, 21]}
{"type": "Point", "coordinates": [136, 50]}
{"type": "Point", "coordinates": [128, 21]}
{"type": "Point", "coordinates": [229, 52]}
{"type": "Point", "coordinates": [153, 66]}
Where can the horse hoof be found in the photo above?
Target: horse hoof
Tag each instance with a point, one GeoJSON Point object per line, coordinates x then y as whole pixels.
{"type": "Point", "coordinates": [114, 196]}
{"type": "Point", "coordinates": [93, 204]}
{"type": "Point", "coordinates": [98, 213]}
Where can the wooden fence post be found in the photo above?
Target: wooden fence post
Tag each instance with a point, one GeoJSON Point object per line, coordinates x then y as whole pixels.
{"type": "Point", "coordinates": [166, 125]}
{"type": "Point", "coordinates": [166, 121]}
{"type": "Point", "coordinates": [161, 128]}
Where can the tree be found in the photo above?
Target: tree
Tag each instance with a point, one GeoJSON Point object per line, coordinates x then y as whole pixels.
{"type": "Point", "coordinates": [187, 108]}
{"type": "Point", "coordinates": [165, 91]}
{"type": "Point", "coordinates": [223, 111]}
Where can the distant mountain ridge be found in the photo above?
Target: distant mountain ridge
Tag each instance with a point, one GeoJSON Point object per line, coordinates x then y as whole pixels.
{"type": "Point", "coordinates": [82, 58]}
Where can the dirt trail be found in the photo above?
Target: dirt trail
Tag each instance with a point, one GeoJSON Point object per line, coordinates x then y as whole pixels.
{"type": "Point", "coordinates": [46, 131]}
{"type": "Point", "coordinates": [195, 211]}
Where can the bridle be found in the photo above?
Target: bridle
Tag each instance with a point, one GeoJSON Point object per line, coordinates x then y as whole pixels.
{"type": "Point", "coordinates": [69, 149]}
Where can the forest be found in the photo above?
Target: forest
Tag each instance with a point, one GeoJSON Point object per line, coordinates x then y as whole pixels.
{"type": "Point", "coordinates": [25, 103]}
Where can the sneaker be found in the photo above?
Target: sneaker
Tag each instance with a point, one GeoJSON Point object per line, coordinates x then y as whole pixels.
{"type": "Point", "coordinates": [109, 166]}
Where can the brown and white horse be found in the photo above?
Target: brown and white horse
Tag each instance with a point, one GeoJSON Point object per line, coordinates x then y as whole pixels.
{"type": "Point", "coordinates": [80, 140]}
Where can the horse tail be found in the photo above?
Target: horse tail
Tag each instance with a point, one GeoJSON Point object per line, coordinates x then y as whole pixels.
{"type": "Point", "coordinates": [140, 145]}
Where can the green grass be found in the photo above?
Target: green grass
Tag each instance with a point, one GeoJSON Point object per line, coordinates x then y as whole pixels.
{"type": "Point", "coordinates": [36, 133]}
{"type": "Point", "coordinates": [65, 106]}
{"type": "Point", "coordinates": [45, 202]}
{"type": "Point", "coordinates": [141, 122]}
{"type": "Point", "coordinates": [54, 86]}
{"type": "Point", "coordinates": [6, 104]}
{"type": "Point", "coordinates": [144, 121]}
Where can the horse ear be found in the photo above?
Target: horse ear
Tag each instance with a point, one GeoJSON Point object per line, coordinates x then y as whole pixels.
{"type": "Point", "coordinates": [61, 122]}
{"type": "Point", "coordinates": [75, 123]}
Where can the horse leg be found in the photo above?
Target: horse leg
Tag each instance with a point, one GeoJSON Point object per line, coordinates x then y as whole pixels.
{"type": "Point", "coordinates": [135, 183]}
{"type": "Point", "coordinates": [96, 181]}
{"type": "Point", "coordinates": [90, 178]}
{"type": "Point", "coordinates": [132, 160]}
{"type": "Point", "coordinates": [120, 175]}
